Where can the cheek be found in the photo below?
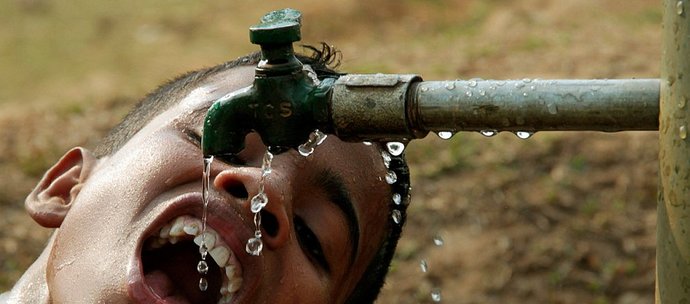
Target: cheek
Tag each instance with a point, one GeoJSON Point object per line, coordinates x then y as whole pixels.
{"type": "Point", "coordinates": [292, 280]}
{"type": "Point", "coordinates": [105, 222]}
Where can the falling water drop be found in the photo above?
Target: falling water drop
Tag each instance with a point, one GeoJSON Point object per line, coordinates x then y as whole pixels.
{"type": "Point", "coordinates": [552, 108]}
{"type": "Point", "coordinates": [397, 199]}
{"type": "Point", "coordinates": [258, 202]}
{"type": "Point", "coordinates": [524, 94]}
{"type": "Point", "coordinates": [679, 8]}
{"type": "Point", "coordinates": [424, 89]}
{"type": "Point", "coordinates": [438, 240]}
{"type": "Point", "coordinates": [424, 266]}
{"type": "Point", "coordinates": [445, 134]}
{"type": "Point", "coordinates": [523, 134]}
{"type": "Point", "coordinates": [397, 216]}
{"type": "Point", "coordinates": [386, 159]}
{"type": "Point", "coordinates": [202, 267]}
{"type": "Point", "coordinates": [254, 246]}
{"type": "Point", "coordinates": [519, 85]}
{"type": "Point", "coordinates": [305, 150]}
{"type": "Point", "coordinates": [526, 80]}
{"type": "Point", "coordinates": [395, 148]}
{"type": "Point", "coordinates": [203, 250]}
{"type": "Point", "coordinates": [683, 132]}
{"type": "Point", "coordinates": [266, 164]}
{"type": "Point", "coordinates": [488, 132]}
{"type": "Point", "coordinates": [436, 295]}
{"type": "Point", "coordinates": [315, 138]}
{"type": "Point", "coordinates": [468, 93]}
{"type": "Point", "coordinates": [367, 143]}
{"type": "Point", "coordinates": [482, 93]}
{"type": "Point", "coordinates": [391, 177]}
{"type": "Point", "coordinates": [319, 137]}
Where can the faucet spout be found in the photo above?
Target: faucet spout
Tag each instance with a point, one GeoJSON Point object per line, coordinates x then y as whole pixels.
{"type": "Point", "coordinates": [284, 104]}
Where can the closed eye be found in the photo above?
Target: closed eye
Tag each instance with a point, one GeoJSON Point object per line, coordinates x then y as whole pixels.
{"type": "Point", "coordinates": [310, 243]}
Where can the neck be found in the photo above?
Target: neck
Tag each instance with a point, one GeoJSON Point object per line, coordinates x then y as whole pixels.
{"type": "Point", "coordinates": [32, 287]}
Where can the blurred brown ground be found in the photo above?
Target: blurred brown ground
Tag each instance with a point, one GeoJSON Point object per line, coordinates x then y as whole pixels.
{"type": "Point", "coordinates": [558, 218]}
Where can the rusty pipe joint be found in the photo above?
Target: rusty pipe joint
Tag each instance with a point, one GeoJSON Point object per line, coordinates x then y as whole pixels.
{"type": "Point", "coordinates": [374, 107]}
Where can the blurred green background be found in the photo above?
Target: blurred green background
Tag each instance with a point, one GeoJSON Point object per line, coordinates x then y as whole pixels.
{"type": "Point", "coordinates": [560, 218]}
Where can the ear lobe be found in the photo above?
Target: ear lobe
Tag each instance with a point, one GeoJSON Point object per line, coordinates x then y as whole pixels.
{"type": "Point", "coordinates": [52, 198]}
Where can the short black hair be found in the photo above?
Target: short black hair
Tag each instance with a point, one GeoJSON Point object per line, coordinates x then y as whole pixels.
{"type": "Point", "coordinates": [323, 59]}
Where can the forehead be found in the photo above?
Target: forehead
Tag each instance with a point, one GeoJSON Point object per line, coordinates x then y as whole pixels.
{"type": "Point", "coordinates": [194, 105]}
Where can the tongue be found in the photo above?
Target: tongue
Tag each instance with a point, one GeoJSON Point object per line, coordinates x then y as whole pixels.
{"type": "Point", "coordinates": [164, 287]}
{"type": "Point", "coordinates": [171, 273]}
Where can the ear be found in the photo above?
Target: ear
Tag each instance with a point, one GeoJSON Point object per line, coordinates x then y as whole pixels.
{"type": "Point", "coordinates": [52, 198]}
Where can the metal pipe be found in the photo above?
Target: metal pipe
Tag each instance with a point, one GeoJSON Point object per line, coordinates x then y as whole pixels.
{"type": "Point", "coordinates": [537, 105]}
{"type": "Point", "coordinates": [402, 107]}
{"type": "Point", "coordinates": [673, 209]}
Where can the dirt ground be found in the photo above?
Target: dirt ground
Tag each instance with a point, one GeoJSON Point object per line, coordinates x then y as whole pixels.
{"type": "Point", "coordinates": [557, 218]}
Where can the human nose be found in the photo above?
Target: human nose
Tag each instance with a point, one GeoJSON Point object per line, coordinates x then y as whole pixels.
{"type": "Point", "coordinates": [244, 183]}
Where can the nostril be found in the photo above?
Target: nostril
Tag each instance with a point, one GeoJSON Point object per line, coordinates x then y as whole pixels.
{"type": "Point", "coordinates": [270, 223]}
{"type": "Point", "coordinates": [236, 189]}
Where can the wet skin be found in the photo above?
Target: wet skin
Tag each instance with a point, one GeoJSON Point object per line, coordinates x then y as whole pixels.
{"type": "Point", "coordinates": [106, 209]}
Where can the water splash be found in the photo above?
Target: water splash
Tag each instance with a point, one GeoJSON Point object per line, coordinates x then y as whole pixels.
{"type": "Point", "coordinates": [472, 83]}
{"type": "Point", "coordinates": [395, 148]}
{"type": "Point", "coordinates": [450, 85]}
{"type": "Point", "coordinates": [367, 143]}
{"type": "Point", "coordinates": [445, 134]}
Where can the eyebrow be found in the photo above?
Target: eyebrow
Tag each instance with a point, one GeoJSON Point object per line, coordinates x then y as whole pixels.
{"type": "Point", "coordinates": [339, 195]}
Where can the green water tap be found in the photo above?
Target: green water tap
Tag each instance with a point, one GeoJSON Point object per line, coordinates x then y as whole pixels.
{"type": "Point", "coordinates": [284, 104]}
{"type": "Point", "coordinates": [287, 102]}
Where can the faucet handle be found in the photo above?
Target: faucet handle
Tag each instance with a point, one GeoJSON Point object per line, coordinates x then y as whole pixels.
{"type": "Point", "coordinates": [277, 27]}
{"type": "Point", "coordinates": [275, 34]}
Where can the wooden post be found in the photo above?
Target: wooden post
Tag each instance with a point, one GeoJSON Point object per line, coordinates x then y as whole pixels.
{"type": "Point", "coordinates": [673, 210]}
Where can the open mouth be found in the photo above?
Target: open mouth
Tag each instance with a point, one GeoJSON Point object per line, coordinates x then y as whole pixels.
{"type": "Point", "coordinates": [170, 259]}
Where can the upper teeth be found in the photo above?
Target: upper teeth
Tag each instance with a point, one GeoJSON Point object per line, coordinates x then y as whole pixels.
{"type": "Point", "coordinates": [185, 226]}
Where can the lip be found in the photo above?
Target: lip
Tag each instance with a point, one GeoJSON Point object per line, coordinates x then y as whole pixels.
{"type": "Point", "coordinates": [223, 219]}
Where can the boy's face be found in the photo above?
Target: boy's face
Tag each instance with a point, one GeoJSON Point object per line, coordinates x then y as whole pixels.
{"type": "Point", "coordinates": [105, 249]}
